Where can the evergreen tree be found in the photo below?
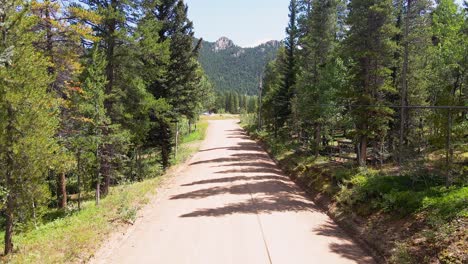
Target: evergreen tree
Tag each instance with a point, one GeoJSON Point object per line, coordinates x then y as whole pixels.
{"type": "Point", "coordinates": [288, 67]}
{"type": "Point", "coordinates": [61, 44]}
{"type": "Point", "coordinates": [235, 103]}
{"type": "Point", "coordinates": [321, 74]}
{"type": "Point", "coordinates": [115, 20]}
{"type": "Point", "coordinates": [448, 72]}
{"type": "Point", "coordinates": [92, 115]}
{"type": "Point", "coordinates": [414, 40]}
{"type": "Point", "coordinates": [271, 85]}
{"type": "Point", "coordinates": [28, 116]}
{"type": "Point", "coordinates": [370, 46]}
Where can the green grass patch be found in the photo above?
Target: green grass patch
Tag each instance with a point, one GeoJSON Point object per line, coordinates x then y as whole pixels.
{"type": "Point", "coordinates": [77, 236]}
{"type": "Point", "coordinates": [403, 195]}
{"type": "Point", "coordinates": [198, 134]}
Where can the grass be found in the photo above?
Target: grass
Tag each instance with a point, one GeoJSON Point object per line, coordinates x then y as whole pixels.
{"type": "Point", "coordinates": [198, 134]}
{"type": "Point", "coordinates": [401, 195]}
{"type": "Point", "coordinates": [77, 235]}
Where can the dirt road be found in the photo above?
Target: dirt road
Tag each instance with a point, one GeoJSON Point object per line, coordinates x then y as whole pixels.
{"type": "Point", "coordinates": [233, 205]}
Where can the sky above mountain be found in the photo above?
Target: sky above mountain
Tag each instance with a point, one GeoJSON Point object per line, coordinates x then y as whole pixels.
{"type": "Point", "coordinates": [247, 22]}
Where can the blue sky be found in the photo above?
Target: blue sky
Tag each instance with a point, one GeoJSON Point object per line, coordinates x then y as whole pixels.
{"type": "Point", "coordinates": [247, 22]}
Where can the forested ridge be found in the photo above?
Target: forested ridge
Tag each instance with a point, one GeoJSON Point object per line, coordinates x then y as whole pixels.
{"type": "Point", "coordinates": [367, 104]}
{"type": "Point", "coordinates": [235, 69]}
{"type": "Point", "coordinates": [93, 94]}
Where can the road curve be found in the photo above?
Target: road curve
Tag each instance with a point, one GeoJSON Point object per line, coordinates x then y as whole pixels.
{"type": "Point", "coordinates": [233, 205]}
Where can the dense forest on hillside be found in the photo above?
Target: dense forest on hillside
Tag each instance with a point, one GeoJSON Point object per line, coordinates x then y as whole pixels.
{"type": "Point", "coordinates": [234, 103]}
{"type": "Point", "coordinates": [367, 103]}
{"type": "Point", "coordinates": [87, 90]}
{"type": "Point", "coordinates": [235, 69]}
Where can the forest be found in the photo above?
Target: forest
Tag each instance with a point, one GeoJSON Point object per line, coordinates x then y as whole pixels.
{"type": "Point", "coordinates": [234, 103]}
{"type": "Point", "coordinates": [88, 91]}
{"type": "Point", "coordinates": [367, 103]}
{"type": "Point", "coordinates": [389, 76]}
{"type": "Point", "coordinates": [236, 69]}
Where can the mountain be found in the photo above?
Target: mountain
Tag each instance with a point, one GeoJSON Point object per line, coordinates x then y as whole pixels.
{"type": "Point", "coordinates": [233, 68]}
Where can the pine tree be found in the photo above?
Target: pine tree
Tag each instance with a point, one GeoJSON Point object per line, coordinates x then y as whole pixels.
{"type": "Point", "coordinates": [271, 85]}
{"type": "Point", "coordinates": [181, 83]}
{"type": "Point", "coordinates": [288, 67]}
{"type": "Point", "coordinates": [370, 47]}
{"type": "Point", "coordinates": [111, 21]}
{"type": "Point", "coordinates": [28, 116]}
{"type": "Point", "coordinates": [413, 40]}
{"type": "Point", "coordinates": [235, 103]}
{"type": "Point", "coordinates": [321, 74]}
{"type": "Point", "coordinates": [448, 72]}
{"type": "Point", "coordinates": [61, 44]}
{"type": "Point", "coordinates": [182, 77]}
{"type": "Point", "coordinates": [93, 114]}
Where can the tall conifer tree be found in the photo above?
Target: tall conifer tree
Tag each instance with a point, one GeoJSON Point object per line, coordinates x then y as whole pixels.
{"type": "Point", "coordinates": [370, 46]}
{"type": "Point", "coordinates": [28, 115]}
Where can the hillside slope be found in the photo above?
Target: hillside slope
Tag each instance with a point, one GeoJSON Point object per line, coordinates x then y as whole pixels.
{"type": "Point", "coordinates": [233, 68]}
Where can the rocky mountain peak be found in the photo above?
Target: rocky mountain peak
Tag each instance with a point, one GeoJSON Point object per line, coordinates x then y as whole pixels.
{"type": "Point", "coordinates": [223, 43]}
{"type": "Point", "coordinates": [273, 43]}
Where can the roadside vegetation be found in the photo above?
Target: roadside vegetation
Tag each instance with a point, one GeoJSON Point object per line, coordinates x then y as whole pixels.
{"type": "Point", "coordinates": [365, 105]}
{"type": "Point", "coordinates": [72, 235]}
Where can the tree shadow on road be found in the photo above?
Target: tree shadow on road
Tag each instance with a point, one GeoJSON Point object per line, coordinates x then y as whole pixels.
{"type": "Point", "coordinates": [268, 192]}
{"type": "Point", "coordinates": [246, 165]}
{"type": "Point", "coordinates": [273, 187]}
{"type": "Point", "coordinates": [260, 159]}
{"type": "Point", "coordinates": [347, 248]}
{"type": "Point", "coordinates": [242, 146]}
{"type": "Point", "coordinates": [238, 178]}
{"type": "Point", "coordinates": [218, 160]}
{"type": "Point", "coordinates": [269, 204]}
{"type": "Point", "coordinates": [271, 170]}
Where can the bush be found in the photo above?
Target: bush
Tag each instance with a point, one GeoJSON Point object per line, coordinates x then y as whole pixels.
{"type": "Point", "coordinates": [450, 202]}
{"type": "Point", "coordinates": [400, 194]}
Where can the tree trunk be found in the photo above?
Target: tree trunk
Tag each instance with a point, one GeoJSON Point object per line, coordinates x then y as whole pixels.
{"type": "Point", "coordinates": [449, 149]}
{"type": "Point", "coordinates": [78, 166]}
{"type": "Point", "coordinates": [105, 167]}
{"type": "Point", "coordinates": [105, 171]}
{"type": "Point", "coordinates": [62, 190]}
{"type": "Point", "coordinates": [98, 193]}
{"type": "Point", "coordinates": [404, 82]}
{"type": "Point", "coordinates": [108, 103]}
{"type": "Point", "coordinates": [138, 163]}
{"type": "Point", "coordinates": [317, 139]}
{"type": "Point", "coordinates": [10, 199]}
{"type": "Point", "coordinates": [9, 225]}
{"type": "Point", "coordinates": [98, 177]}
{"type": "Point", "coordinates": [362, 155]}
